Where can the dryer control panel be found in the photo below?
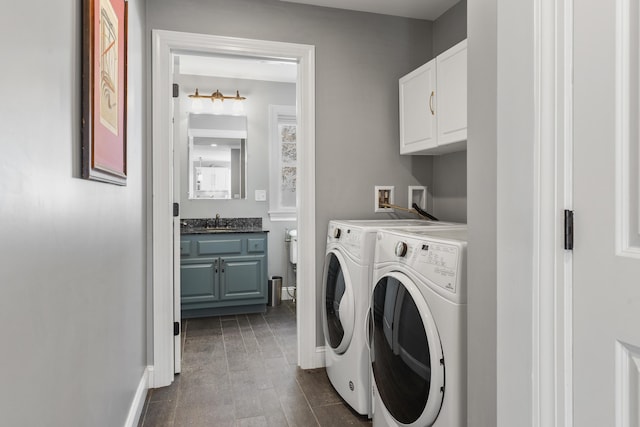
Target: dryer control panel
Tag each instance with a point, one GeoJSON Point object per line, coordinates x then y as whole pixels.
{"type": "Point", "coordinates": [351, 239]}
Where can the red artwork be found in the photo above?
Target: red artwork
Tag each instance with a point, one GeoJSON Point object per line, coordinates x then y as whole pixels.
{"type": "Point", "coordinates": [104, 121]}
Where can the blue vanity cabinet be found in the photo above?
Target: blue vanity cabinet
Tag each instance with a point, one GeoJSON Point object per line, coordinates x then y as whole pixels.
{"type": "Point", "coordinates": [223, 273]}
{"type": "Point", "coordinates": [199, 280]}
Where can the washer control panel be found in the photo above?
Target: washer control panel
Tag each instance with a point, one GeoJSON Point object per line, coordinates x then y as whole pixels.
{"type": "Point", "coordinates": [438, 260]}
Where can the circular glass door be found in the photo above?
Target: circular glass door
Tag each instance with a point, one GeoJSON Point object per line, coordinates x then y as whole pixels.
{"type": "Point", "coordinates": [406, 353]}
{"type": "Point", "coordinates": [339, 309]}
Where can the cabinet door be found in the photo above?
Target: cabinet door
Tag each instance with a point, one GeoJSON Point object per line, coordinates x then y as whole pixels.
{"type": "Point", "coordinates": [199, 280]}
{"type": "Point", "coordinates": [243, 277]}
{"type": "Point", "coordinates": [451, 102]}
{"type": "Point", "coordinates": [418, 109]}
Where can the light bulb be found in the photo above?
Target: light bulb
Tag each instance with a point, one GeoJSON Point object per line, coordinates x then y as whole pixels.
{"type": "Point", "coordinates": [217, 106]}
{"type": "Point", "coordinates": [238, 107]}
{"type": "Point", "coordinates": [196, 105]}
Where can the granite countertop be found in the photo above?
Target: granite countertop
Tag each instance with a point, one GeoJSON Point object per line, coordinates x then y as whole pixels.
{"type": "Point", "coordinates": [221, 225]}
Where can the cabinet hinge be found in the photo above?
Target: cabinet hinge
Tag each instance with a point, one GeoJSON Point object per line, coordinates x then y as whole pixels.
{"type": "Point", "coordinates": [176, 329]}
{"type": "Point", "coordinates": [568, 230]}
{"type": "Point", "coordinates": [176, 209]}
{"type": "Point", "coordinates": [176, 90]}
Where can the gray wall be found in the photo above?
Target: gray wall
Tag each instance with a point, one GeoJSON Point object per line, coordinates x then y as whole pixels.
{"type": "Point", "coordinates": [450, 28]}
{"type": "Point", "coordinates": [450, 170]}
{"type": "Point", "coordinates": [259, 95]}
{"type": "Point", "coordinates": [482, 212]}
{"type": "Point", "coordinates": [359, 59]}
{"type": "Point", "coordinates": [450, 187]}
{"type": "Point", "coordinates": [73, 294]}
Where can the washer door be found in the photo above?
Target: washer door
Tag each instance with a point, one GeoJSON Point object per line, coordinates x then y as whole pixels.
{"type": "Point", "coordinates": [406, 353]}
{"type": "Point", "coordinates": [339, 305]}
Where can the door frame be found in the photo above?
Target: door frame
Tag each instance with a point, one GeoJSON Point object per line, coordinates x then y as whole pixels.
{"type": "Point", "coordinates": [163, 44]}
{"type": "Point", "coordinates": [534, 323]}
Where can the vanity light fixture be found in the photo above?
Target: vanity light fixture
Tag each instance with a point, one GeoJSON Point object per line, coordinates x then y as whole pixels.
{"type": "Point", "coordinates": [217, 98]}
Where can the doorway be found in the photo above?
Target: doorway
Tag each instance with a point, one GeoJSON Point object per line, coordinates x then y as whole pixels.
{"type": "Point", "coordinates": [165, 43]}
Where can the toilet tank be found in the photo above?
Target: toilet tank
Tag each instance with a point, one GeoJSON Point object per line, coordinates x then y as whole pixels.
{"type": "Point", "coordinates": [293, 246]}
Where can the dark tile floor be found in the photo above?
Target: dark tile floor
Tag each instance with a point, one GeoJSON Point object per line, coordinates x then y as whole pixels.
{"type": "Point", "coordinates": [241, 371]}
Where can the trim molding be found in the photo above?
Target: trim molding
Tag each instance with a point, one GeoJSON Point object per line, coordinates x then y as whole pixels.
{"type": "Point", "coordinates": [318, 358]}
{"type": "Point", "coordinates": [627, 384]}
{"type": "Point", "coordinates": [135, 410]}
{"type": "Point", "coordinates": [627, 197]}
{"type": "Point", "coordinates": [553, 175]}
{"type": "Point", "coordinates": [163, 44]}
{"type": "Point", "coordinates": [285, 292]}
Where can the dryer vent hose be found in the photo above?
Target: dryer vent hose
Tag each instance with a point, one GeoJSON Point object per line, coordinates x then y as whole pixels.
{"type": "Point", "coordinates": [416, 210]}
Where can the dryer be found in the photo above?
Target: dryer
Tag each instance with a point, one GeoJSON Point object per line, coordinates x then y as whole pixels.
{"type": "Point", "coordinates": [346, 293]}
{"type": "Point", "coordinates": [418, 328]}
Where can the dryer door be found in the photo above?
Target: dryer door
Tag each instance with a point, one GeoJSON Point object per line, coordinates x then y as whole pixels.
{"type": "Point", "coordinates": [406, 353]}
{"type": "Point", "coordinates": [339, 305]}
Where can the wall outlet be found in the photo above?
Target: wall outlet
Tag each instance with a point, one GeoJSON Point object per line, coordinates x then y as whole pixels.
{"type": "Point", "coordinates": [261, 195]}
{"type": "Point", "coordinates": [383, 194]}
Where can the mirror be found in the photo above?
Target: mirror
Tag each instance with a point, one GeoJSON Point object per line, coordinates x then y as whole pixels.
{"type": "Point", "coordinates": [217, 157]}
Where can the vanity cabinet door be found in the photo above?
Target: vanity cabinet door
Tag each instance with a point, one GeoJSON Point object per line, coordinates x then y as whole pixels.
{"type": "Point", "coordinates": [199, 280]}
{"type": "Point", "coordinates": [243, 277]}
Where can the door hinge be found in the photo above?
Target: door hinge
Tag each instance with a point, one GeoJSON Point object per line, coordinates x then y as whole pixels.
{"type": "Point", "coordinates": [568, 230]}
{"type": "Point", "coordinates": [176, 90]}
{"type": "Point", "coordinates": [176, 329]}
{"type": "Point", "coordinates": [176, 209]}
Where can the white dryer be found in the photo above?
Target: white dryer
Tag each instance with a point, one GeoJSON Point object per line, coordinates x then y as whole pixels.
{"type": "Point", "coordinates": [346, 291]}
{"type": "Point", "coordinates": [418, 328]}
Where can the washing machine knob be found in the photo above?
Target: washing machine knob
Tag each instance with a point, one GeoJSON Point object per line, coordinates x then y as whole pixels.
{"type": "Point", "coordinates": [336, 233]}
{"type": "Point", "coordinates": [401, 249]}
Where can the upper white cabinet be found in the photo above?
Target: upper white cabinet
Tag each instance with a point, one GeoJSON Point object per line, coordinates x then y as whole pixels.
{"type": "Point", "coordinates": [433, 105]}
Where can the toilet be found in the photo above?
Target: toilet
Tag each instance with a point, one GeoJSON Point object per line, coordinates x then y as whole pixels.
{"type": "Point", "coordinates": [293, 248]}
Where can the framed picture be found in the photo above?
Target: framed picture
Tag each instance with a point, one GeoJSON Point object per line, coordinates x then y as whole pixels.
{"type": "Point", "coordinates": [104, 91]}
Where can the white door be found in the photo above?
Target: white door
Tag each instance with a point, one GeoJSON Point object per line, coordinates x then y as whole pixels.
{"type": "Point", "coordinates": [606, 276]}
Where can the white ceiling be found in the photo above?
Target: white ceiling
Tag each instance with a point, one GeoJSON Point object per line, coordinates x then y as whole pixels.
{"type": "Point", "coordinates": [420, 9]}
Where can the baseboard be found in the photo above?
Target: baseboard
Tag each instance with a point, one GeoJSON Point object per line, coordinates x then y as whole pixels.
{"type": "Point", "coordinates": [138, 399]}
{"type": "Point", "coordinates": [285, 292]}
{"type": "Point", "coordinates": [318, 357]}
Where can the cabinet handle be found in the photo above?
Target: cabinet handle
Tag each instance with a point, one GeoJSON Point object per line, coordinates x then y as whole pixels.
{"type": "Point", "coordinates": [433, 113]}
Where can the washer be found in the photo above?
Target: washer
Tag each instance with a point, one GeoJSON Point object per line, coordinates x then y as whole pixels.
{"type": "Point", "coordinates": [346, 292]}
{"type": "Point", "coordinates": [418, 328]}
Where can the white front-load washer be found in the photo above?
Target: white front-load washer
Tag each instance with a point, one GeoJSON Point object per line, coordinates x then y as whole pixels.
{"type": "Point", "coordinates": [418, 328]}
{"type": "Point", "coordinates": [346, 291]}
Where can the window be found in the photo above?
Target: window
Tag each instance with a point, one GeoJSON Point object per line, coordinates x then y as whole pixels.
{"type": "Point", "coordinates": [283, 164]}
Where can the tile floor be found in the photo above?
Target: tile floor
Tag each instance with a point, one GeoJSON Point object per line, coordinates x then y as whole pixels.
{"type": "Point", "coordinates": [241, 371]}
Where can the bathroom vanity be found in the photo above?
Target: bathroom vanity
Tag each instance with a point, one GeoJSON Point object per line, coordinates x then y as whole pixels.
{"type": "Point", "coordinates": [223, 268]}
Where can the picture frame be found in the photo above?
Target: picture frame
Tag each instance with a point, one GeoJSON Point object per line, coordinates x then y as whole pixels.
{"type": "Point", "coordinates": [104, 90]}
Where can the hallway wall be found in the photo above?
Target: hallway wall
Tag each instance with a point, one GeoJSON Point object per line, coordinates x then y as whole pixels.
{"type": "Point", "coordinates": [72, 271]}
